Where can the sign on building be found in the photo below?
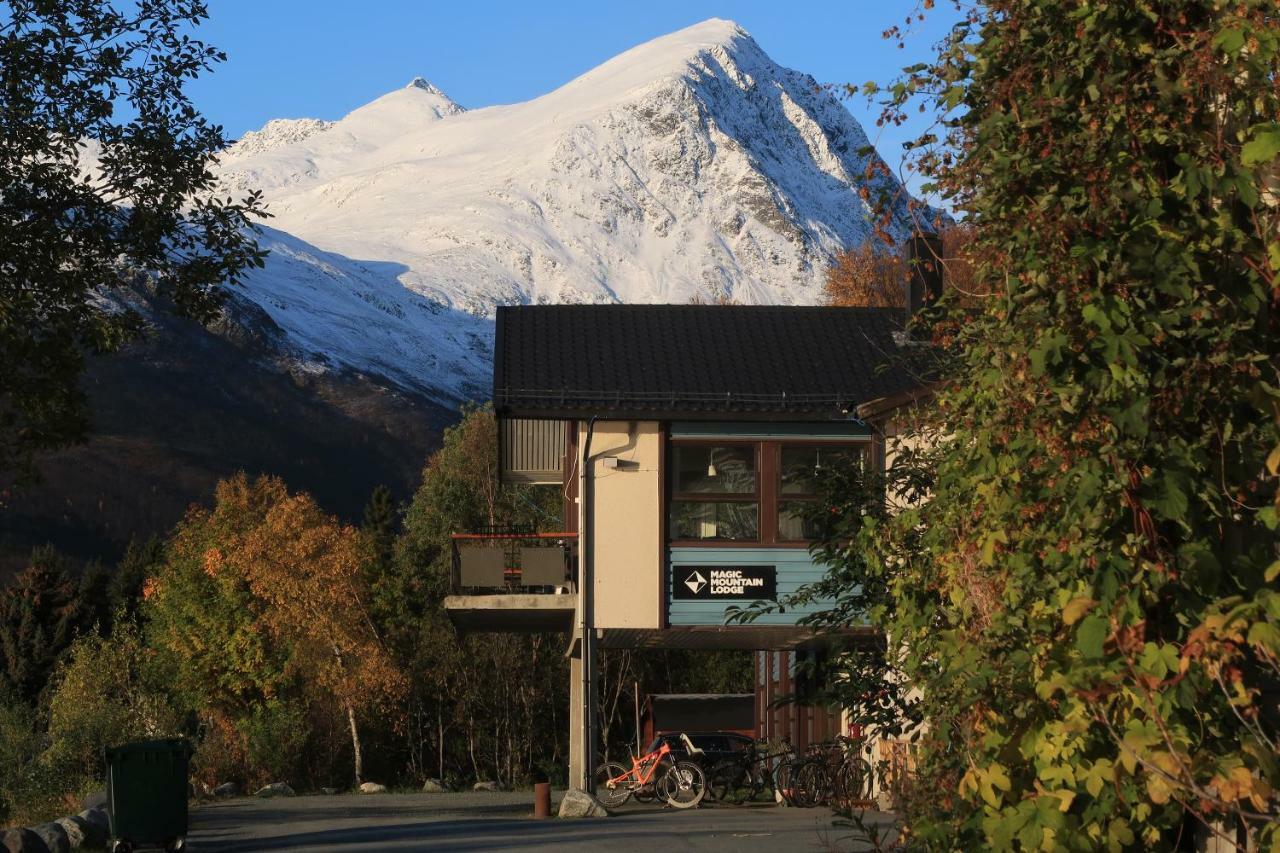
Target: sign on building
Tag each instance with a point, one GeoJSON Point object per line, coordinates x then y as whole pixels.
{"type": "Point", "coordinates": [716, 583]}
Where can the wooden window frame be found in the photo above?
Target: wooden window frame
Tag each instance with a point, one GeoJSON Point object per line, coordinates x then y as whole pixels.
{"type": "Point", "coordinates": [861, 445]}
{"type": "Point", "coordinates": [768, 492]}
{"type": "Point", "coordinates": [755, 497]}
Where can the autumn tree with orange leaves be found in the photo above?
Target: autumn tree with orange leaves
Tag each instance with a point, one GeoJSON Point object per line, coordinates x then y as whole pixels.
{"type": "Point", "coordinates": [306, 567]}
{"type": "Point", "coordinates": [868, 276]}
{"type": "Point", "coordinates": [263, 591]}
{"type": "Point", "coordinates": [874, 274]}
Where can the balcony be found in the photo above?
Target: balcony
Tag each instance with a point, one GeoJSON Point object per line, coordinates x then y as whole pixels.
{"type": "Point", "coordinates": [513, 581]}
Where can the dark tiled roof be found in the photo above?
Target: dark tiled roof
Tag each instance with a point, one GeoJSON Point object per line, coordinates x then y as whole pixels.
{"type": "Point", "coordinates": [678, 361]}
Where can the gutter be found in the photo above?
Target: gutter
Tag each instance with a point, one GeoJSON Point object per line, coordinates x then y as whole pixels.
{"type": "Point", "coordinates": [586, 622]}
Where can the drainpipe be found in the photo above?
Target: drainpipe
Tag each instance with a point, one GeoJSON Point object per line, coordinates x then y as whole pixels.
{"type": "Point", "coordinates": [586, 615]}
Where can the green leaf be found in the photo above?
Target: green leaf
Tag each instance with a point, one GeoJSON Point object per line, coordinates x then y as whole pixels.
{"type": "Point", "coordinates": [1263, 147]}
{"type": "Point", "coordinates": [1229, 41]}
{"type": "Point", "coordinates": [1091, 635]}
{"type": "Point", "coordinates": [1265, 634]}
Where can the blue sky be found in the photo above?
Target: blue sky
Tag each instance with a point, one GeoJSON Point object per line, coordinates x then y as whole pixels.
{"type": "Point", "coordinates": [323, 58]}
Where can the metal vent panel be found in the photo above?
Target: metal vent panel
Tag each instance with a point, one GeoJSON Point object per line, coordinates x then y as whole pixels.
{"type": "Point", "coordinates": [532, 450]}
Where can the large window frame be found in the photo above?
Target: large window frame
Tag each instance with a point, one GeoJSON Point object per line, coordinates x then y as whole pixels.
{"type": "Point", "coordinates": [752, 497]}
{"type": "Point", "coordinates": [768, 494]}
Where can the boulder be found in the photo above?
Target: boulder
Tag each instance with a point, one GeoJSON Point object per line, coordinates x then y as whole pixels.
{"type": "Point", "coordinates": [275, 789]}
{"type": "Point", "coordinates": [329, 792]}
{"type": "Point", "coordinates": [96, 826]}
{"type": "Point", "coordinates": [432, 786]}
{"type": "Point", "coordinates": [21, 841]}
{"type": "Point", "coordinates": [96, 800]}
{"type": "Point", "coordinates": [226, 789]}
{"type": "Point", "coordinates": [485, 786]}
{"type": "Point", "coordinates": [53, 836]}
{"type": "Point", "coordinates": [77, 832]}
{"type": "Point", "coordinates": [578, 803]}
{"type": "Point", "coordinates": [372, 788]}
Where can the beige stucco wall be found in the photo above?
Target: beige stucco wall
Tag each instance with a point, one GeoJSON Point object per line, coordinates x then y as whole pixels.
{"type": "Point", "coordinates": [626, 544]}
{"type": "Point", "coordinates": [901, 434]}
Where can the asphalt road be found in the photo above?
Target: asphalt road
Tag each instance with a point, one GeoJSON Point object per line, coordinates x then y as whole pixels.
{"type": "Point", "coordinates": [497, 821]}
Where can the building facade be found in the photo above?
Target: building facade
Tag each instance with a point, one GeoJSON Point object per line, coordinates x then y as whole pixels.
{"type": "Point", "coordinates": [686, 441]}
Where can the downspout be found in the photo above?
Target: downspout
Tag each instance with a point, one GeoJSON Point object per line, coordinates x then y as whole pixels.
{"type": "Point", "coordinates": [586, 622]}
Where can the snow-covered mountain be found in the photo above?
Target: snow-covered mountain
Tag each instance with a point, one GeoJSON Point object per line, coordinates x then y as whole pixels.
{"type": "Point", "coordinates": [692, 166]}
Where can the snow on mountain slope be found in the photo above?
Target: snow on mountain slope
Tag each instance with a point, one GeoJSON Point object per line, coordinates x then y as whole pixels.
{"type": "Point", "coordinates": [692, 166]}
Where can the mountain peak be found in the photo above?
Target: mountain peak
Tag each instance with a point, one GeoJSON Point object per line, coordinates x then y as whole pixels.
{"type": "Point", "coordinates": [713, 29]}
{"type": "Point", "coordinates": [426, 85]}
{"type": "Point", "coordinates": [689, 166]}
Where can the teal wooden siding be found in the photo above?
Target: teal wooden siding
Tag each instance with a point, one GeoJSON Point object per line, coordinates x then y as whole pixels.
{"type": "Point", "coordinates": [795, 568]}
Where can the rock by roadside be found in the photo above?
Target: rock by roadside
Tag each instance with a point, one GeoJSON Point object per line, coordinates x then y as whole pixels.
{"type": "Point", "coordinates": [275, 789]}
{"type": "Point", "coordinates": [432, 786]}
{"type": "Point", "coordinates": [578, 803]}
{"type": "Point", "coordinates": [485, 786]}
{"type": "Point", "coordinates": [372, 788]}
{"type": "Point", "coordinates": [53, 837]}
{"type": "Point", "coordinates": [88, 829]}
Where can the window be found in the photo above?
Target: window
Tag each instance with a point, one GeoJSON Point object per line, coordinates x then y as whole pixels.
{"type": "Point", "coordinates": [748, 492]}
{"type": "Point", "coordinates": [798, 472]}
{"type": "Point", "coordinates": [715, 493]}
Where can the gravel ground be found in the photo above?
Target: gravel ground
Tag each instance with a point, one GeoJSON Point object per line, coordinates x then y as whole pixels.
{"type": "Point", "coordinates": [497, 821]}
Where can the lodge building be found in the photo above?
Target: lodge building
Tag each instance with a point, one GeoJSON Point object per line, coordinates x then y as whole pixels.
{"type": "Point", "coordinates": [683, 440]}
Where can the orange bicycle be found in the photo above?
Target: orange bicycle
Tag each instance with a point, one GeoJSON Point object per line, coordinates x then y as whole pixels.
{"type": "Point", "coordinates": [681, 784]}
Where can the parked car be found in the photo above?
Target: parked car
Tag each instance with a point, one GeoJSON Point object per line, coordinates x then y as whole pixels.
{"type": "Point", "coordinates": [714, 745]}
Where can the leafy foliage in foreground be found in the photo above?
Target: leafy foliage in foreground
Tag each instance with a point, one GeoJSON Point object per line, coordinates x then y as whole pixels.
{"type": "Point", "coordinates": [1087, 599]}
{"type": "Point", "coordinates": [89, 81]}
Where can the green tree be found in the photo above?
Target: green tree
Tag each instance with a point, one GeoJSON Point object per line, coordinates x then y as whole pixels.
{"type": "Point", "coordinates": [39, 617]}
{"type": "Point", "coordinates": [108, 691]}
{"type": "Point", "coordinates": [380, 524]}
{"type": "Point", "coordinates": [1087, 596]}
{"type": "Point", "coordinates": [225, 664]}
{"type": "Point", "coordinates": [105, 179]}
{"type": "Point", "coordinates": [480, 706]}
{"type": "Point", "coordinates": [142, 559]}
{"type": "Point", "coordinates": [210, 620]}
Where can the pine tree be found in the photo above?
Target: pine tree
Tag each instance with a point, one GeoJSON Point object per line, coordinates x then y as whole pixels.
{"type": "Point", "coordinates": [142, 558]}
{"type": "Point", "coordinates": [38, 620]}
{"type": "Point", "coordinates": [381, 521]}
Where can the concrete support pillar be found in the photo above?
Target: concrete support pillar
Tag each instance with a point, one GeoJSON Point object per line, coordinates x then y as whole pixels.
{"type": "Point", "coordinates": [582, 705]}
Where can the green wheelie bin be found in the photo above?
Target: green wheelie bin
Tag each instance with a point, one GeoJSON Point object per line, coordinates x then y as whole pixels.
{"type": "Point", "coordinates": [147, 794]}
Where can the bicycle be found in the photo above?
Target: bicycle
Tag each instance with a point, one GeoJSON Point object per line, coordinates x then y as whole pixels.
{"type": "Point", "coordinates": [744, 777]}
{"type": "Point", "coordinates": [681, 784]}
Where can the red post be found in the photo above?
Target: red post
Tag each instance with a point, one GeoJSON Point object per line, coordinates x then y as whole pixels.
{"type": "Point", "coordinates": [542, 799]}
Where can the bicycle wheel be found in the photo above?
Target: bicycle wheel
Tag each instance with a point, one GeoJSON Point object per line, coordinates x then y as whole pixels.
{"type": "Point", "coordinates": [728, 782]}
{"type": "Point", "coordinates": [809, 786]}
{"type": "Point", "coordinates": [613, 785]}
{"type": "Point", "coordinates": [683, 785]}
{"type": "Point", "coordinates": [784, 781]}
{"type": "Point", "coordinates": [856, 779]}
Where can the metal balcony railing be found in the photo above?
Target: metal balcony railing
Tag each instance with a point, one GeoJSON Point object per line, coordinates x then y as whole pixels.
{"type": "Point", "coordinates": [514, 561]}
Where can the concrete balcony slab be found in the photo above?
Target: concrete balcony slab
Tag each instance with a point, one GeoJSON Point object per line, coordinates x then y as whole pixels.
{"type": "Point", "coordinates": [515, 613]}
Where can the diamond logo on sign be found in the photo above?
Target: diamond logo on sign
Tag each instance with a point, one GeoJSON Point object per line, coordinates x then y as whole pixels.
{"type": "Point", "coordinates": [730, 583]}
{"type": "Point", "coordinates": [695, 582]}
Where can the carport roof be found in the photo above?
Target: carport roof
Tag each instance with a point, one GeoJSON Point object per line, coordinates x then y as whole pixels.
{"type": "Point", "coordinates": [696, 361]}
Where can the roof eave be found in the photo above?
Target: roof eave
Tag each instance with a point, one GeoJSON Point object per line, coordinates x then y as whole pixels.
{"type": "Point", "coordinates": [882, 407]}
{"type": "Point", "coordinates": [624, 414]}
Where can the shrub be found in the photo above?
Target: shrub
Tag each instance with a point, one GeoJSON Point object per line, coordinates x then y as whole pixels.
{"type": "Point", "coordinates": [107, 693]}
